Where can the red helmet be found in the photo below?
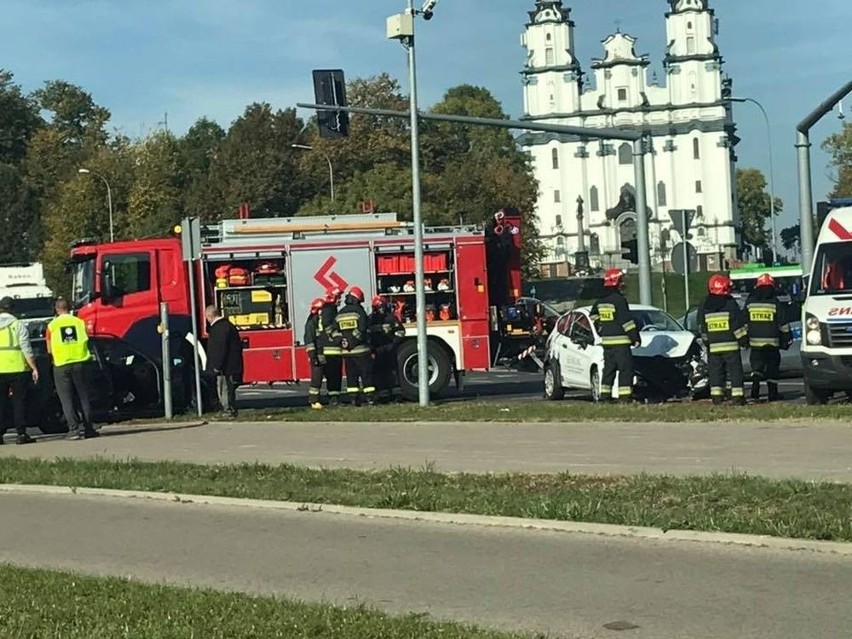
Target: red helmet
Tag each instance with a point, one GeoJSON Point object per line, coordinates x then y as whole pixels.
{"type": "Point", "coordinates": [317, 304]}
{"type": "Point", "coordinates": [719, 284]}
{"type": "Point", "coordinates": [613, 278]}
{"type": "Point", "coordinates": [357, 293]}
{"type": "Point", "coordinates": [766, 280]}
{"type": "Point", "coordinates": [333, 295]}
{"type": "Point", "coordinates": [379, 302]}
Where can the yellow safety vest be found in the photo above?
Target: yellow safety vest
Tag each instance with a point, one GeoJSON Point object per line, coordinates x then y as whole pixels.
{"type": "Point", "coordinates": [12, 358]}
{"type": "Point", "coordinates": [69, 343]}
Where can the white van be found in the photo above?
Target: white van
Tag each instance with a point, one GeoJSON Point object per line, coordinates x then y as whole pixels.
{"type": "Point", "coordinates": [827, 311]}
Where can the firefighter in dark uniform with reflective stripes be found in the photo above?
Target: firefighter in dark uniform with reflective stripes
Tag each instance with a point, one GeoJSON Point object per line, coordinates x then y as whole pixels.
{"type": "Point", "coordinates": [329, 340]}
{"type": "Point", "coordinates": [724, 331]}
{"type": "Point", "coordinates": [315, 350]}
{"type": "Point", "coordinates": [768, 332]}
{"type": "Point", "coordinates": [617, 328]}
{"type": "Point", "coordinates": [386, 334]}
{"type": "Point", "coordinates": [352, 326]}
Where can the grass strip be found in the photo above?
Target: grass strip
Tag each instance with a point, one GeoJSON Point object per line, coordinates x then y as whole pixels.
{"type": "Point", "coordinates": [568, 411]}
{"type": "Point", "coordinates": [724, 503]}
{"type": "Point", "coordinates": [48, 604]}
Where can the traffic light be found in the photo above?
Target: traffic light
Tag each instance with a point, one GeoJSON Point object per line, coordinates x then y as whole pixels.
{"type": "Point", "coordinates": [330, 90]}
{"type": "Point", "coordinates": [630, 251]}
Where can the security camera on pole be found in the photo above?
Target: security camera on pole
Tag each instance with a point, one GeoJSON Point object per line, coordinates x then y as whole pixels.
{"type": "Point", "coordinates": [401, 27]}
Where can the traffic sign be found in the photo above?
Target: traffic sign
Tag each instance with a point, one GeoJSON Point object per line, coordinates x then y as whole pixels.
{"type": "Point", "coordinates": [190, 239]}
{"type": "Point", "coordinates": [678, 258]}
{"type": "Point", "coordinates": [682, 218]}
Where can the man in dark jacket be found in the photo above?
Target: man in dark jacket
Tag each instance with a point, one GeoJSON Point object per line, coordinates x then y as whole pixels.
{"type": "Point", "coordinates": [724, 331]}
{"type": "Point", "coordinates": [315, 351]}
{"type": "Point", "coordinates": [617, 328]}
{"type": "Point", "coordinates": [386, 334]}
{"type": "Point", "coordinates": [329, 342]}
{"type": "Point", "coordinates": [768, 333]}
{"type": "Point", "coordinates": [352, 325]}
{"type": "Point", "coordinates": [224, 359]}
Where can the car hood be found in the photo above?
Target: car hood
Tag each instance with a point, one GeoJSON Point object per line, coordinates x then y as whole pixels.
{"type": "Point", "coordinates": [664, 344]}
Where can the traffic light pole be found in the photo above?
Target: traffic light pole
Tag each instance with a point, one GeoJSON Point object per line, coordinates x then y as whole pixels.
{"type": "Point", "coordinates": [640, 150]}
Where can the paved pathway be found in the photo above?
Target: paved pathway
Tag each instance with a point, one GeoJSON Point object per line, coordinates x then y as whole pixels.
{"type": "Point", "coordinates": [568, 585]}
{"type": "Point", "coordinates": [816, 452]}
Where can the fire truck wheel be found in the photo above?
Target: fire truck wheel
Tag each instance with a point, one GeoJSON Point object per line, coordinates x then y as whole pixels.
{"type": "Point", "coordinates": [440, 369]}
{"type": "Point", "coordinates": [553, 389]}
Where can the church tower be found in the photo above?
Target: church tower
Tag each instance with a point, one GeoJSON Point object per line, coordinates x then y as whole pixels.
{"type": "Point", "coordinates": [692, 60]}
{"type": "Point", "coordinates": [552, 76]}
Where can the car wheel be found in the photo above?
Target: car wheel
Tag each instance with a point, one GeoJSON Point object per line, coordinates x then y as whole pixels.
{"type": "Point", "coordinates": [595, 384]}
{"type": "Point", "coordinates": [816, 397]}
{"type": "Point", "coordinates": [553, 389]}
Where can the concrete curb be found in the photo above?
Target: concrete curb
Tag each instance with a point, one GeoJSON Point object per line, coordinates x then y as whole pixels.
{"type": "Point", "coordinates": [607, 530]}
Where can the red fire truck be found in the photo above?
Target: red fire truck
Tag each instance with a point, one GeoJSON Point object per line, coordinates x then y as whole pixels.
{"type": "Point", "coordinates": [263, 273]}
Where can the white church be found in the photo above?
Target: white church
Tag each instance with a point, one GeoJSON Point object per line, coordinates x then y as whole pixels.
{"type": "Point", "coordinates": [587, 187]}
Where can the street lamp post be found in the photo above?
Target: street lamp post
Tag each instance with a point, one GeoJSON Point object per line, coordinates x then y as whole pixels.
{"type": "Point", "coordinates": [307, 147]}
{"type": "Point", "coordinates": [771, 172]}
{"type": "Point", "coordinates": [109, 198]}
{"type": "Point", "coordinates": [401, 27]}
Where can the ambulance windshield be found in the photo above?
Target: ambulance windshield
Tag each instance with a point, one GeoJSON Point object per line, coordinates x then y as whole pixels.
{"type": "Point", "coordinates": [832, 269]}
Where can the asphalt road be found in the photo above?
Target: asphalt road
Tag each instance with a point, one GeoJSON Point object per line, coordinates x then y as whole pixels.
{"type": "Point", "coordinates": [821, 451]}
{"type": "Point", "coordinates": [565, 584]}
{"type": "Point", "coordinates": [492, 386]}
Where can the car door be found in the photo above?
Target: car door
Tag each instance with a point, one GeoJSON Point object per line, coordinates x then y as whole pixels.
{"type": "Point", "coordinates": [559, 345]}
{"type": "Point", "coordinates": [589, 351]}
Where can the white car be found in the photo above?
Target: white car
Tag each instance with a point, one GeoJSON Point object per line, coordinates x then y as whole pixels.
{"type": "Point", "coordinates": [669, 363]}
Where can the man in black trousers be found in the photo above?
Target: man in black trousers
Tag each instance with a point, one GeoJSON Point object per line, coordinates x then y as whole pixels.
{"type": "Point", "coordinates": [224, 359]}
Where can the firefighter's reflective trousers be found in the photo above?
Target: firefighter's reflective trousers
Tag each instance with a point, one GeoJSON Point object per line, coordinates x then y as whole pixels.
{"type": "Point", "coordinates": [725, 370]}
{"type": "Point", "coordinates": [617, 359]}
{"type": "Point", "coordinates": [765, 366]}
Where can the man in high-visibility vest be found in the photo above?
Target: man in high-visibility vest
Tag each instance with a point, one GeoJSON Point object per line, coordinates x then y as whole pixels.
{"type": "Point", "coordinates": [17, 365]}
{"type": "Point", "coordinates": [68, 344]}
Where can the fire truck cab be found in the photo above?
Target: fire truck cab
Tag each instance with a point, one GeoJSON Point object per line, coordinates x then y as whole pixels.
{"type": "Point", "coordinates": [263, 273]}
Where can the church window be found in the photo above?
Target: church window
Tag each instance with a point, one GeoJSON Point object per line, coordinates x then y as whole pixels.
{"type": "Point", "coordinates": [696, 149]}
{"type": "Point", "coordinates": [560, 241]}
{"type": "Point", "coordinates": [688, 27]}
{"type": "Point", "coordinates": [625, 154]}
{"type": "Point", "coordinates": [557, 197]}
{"type": "Point", "coordinates": [622, 95]}
{"type": "Point", "coordinates": [698, 186]}
{"type": "Point", "coordinates": [690, 45]}
{"type": "Point", "coordinates": [594, 205]}
{"type": "Point", "coordinates": [549, 37]}
{"type": "Point", "coordinates": [548, 56]}
{"type": "Point", "coordinates": [662, 200]}
{"type": "Point", "coordinates": [554, 158]}
{"type": "Point", "coordinates": [702, 231]}
{"type": "Point", "coordinates": [558, 220]}
{"type": "Point", "coordinates": [699, 211]}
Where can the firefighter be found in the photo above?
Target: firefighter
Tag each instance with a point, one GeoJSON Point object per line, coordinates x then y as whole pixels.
{"type": "Point", "coordinates": [617, 328]}
{"type": "Point", "coordinates": [386, 334]}
{"type": "Point", "coordinates": [329, 340]}
{"type": "Point", "coordinates": [724, 331]}
{"type": "Point", "coordinates": [316, 354]}
{"type": "Point", "coordinates": [768, 332]}
{"type": "Point", "coordinates": [352, 326]}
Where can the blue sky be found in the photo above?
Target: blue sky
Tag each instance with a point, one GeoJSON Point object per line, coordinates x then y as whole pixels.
{"type": "Point", "coordinates": [193, 58]}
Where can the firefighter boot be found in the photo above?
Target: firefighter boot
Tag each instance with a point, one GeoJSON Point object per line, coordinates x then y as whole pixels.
{"type": "Point", "coordinates": [773, 391]}
{"type": "Point", "coordinates": [755, 390]}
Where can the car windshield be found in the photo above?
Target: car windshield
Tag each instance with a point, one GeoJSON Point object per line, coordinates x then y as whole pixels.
{"type": "Point", "coordinates": [832, 272]}
{"type": "Point", "coordinates": [33, 307]}
{"type": "Point", "coordinates": [83, 282]}
{"type": "Point", "coordinates": [660, 320]}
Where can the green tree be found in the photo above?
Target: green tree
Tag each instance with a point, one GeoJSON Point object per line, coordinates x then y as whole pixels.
{"type": "Point", "coordinates": [17, 210]}
{"type": "Point", "coordinates": [198, 147]}
{"type": "Point", "coordinates": [19, 120]}
{"type": "Point", "coordinates": [790, 237]}
{"type": "Point", "coordinates": [155, 201]}
{"type": "Point", "coordinates": [256, 164]}
{"type": "Point", "coordinates": [839, 146]}
{"type": "Point", "coordinates": [755, 206]}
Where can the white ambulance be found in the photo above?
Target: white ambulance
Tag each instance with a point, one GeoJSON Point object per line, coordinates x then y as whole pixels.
{"type": "Point", "coordinates": [827, 312]}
